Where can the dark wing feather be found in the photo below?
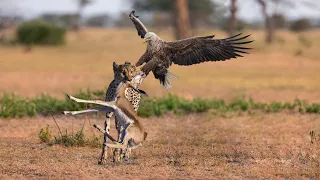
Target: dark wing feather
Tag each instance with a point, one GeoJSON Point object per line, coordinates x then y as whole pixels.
{"type": "Point", "coordinates": [202, 49]}
{"type": "Point", "coordinates": [146, 57]}
{"type": "Point", "coordinates": [150, 66]}
{"type": "Point", "coordinates": [142, 30]}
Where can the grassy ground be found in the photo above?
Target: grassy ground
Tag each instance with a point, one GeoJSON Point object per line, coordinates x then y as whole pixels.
{"type": "Point", "coordinates": [199, 146]}
{"type": "Point", "coordinates": [283, 71]}
{"type": "Point", "coordinates": [196, 146]}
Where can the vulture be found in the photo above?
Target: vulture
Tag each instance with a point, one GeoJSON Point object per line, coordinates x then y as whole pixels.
{"type": "Point", "coordinates": [160, 54]}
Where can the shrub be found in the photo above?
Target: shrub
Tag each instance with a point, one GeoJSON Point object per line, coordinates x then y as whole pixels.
{"type": "Point", "coordinates": [313, 108]}
{"type": "Point", "coordinates": [12, 106]}
{"type": "Point", "coordinates": [38, 32]}
{"type": "Point", "coordinates": [144, 108]}
{"type": "Point", "coordinates": [239, 104]}
{"type": "Point", "coordinates": [45, 135]}
{"type": "Point", "coordinates": [15, 106]}
{"type": "Point", "coordinates": [224, 25]}
{"type": "Point", "coordinates": [76, 140]}
{"type": "Point", "coordinates": [279, 21]}
{"type": "Point", "coordinates": [300, 25]}
{"type": "Point", "coordinates": [71, 140]}
{"type": "Point", "coordinates": [275, 107]}
{"type": "Point", "coordinates": [94, 141]}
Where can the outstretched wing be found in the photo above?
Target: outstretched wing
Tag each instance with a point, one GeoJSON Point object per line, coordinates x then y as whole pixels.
{"type": "Point", "coordinates": [142, 30]}
{"type": "Point", "coordinates": [201, 49]}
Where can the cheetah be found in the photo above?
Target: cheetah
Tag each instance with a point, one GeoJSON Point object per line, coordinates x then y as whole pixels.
{"type": "Point", "coordinates": [132, 134]}
{"type": "Point", "coordinates": [122, 73]}
{"type": "Point", "coordinates": [124, 144]}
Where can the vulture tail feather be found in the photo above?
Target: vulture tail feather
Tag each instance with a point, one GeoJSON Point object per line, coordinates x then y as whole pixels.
{"type": "Point", "coordinates": [165, 80]}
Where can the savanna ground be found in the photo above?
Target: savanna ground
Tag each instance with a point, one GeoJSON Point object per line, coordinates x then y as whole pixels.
{"type": "Point", "coordinates": [197, 146]}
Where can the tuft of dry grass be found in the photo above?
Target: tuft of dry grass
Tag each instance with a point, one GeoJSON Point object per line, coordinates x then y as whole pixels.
{"type": "Point", "coordinates": [199, 146]}
{"type": "Point", "coordinates": [272, 72]}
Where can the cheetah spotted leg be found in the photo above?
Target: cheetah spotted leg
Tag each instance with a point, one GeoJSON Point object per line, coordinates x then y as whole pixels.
{"type": "Point", "coordinates": [120, 148]}
{"type": "Point", "coordinates": [110, 107]}
{"type": "Point", "coordinates": [104, 152]}
{"type": "Point", "coordinates": [118, 152]}
{"type": "Point", "coordinates": [126, 153]}
{"type": "Point", "coordinates": [115, 144]}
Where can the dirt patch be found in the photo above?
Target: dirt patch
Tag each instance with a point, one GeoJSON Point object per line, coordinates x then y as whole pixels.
{"type": "Point", "coordinates": [272, 146]}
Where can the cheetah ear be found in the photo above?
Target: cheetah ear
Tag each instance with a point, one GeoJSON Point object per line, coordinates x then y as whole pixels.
{"type": "Point", "coordinates": [115, 66]}
{"type": "Point", "coordinates": [142, 92]}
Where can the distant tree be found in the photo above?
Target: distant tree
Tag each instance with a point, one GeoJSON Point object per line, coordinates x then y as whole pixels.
{"type": "Point", "coordinates": [124, 20]}
{"type": "Point", "coordinates": [50, 18]}
{"type": "Point", "coordinates": [182, 22]}
{"type": "Point", "coordinates": [81, 5]}
{"type": "Point", "coordinates": [199, 13]}
{"type": "Point", "coordinates": [161, 19]}
{"type": "Point", "coordinates": [5, 24]}
{"type": "Point", "coordinates": [65, 20]}
{"type": "Point", "coordinates": [267, 21]}
{"type": "Point", "coordinates": [279, 21]}
{"type": "Point", "coordinates": [233, 17]}
{"type": "Point", "coordinates": [300, 25]}
{"type": "Point", "coordinates": [68, 19]}
{"type": "Point", "coordinates": [5, 21]}
{"type": "Point", "coordinates": [224, 24]}
{"type": "Point", "coordinates": [279, 6]}
{"type": "Point", "coordinates": [100, 20]}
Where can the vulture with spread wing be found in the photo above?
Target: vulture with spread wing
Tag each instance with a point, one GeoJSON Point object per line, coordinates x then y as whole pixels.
{"type": "Point", "coordinates": [160, 54]}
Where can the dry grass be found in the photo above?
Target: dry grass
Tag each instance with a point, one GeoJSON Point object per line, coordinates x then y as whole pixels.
{"type": "Point", "coordinates": [269, 73]}
{"type": "Point", "coordinates": [200, 146]}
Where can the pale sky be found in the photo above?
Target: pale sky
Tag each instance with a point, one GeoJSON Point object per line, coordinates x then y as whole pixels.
{"type": "Point", "coordinates": [248, 9]}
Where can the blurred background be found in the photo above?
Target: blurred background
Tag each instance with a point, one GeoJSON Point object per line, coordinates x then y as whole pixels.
{"type": "Point", "coordinates": [61, 46]}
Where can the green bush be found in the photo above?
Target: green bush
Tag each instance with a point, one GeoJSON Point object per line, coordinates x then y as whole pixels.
{"type": "Point", "coordinates": [12, 106]}
{"type": "Point", "coordinates": [76, 140]}
{"type": "Point", "coordinates": [45, 135]}
{"type": "Point", "coordinates": [15, 106]}
{"type": "Point", "coordinates": [70, 140]}
{"type": "Point", "coordinates": [39, 32]}
{"type": "Point", "coordinates": [239, 104]}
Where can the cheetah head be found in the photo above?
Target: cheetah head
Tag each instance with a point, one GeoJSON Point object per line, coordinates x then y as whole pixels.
{"type": "Point", "coordinates": [125, 71]}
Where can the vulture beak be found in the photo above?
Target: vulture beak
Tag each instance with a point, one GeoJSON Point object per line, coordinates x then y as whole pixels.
{"type": "Point", "coordinates": [144, 40]}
